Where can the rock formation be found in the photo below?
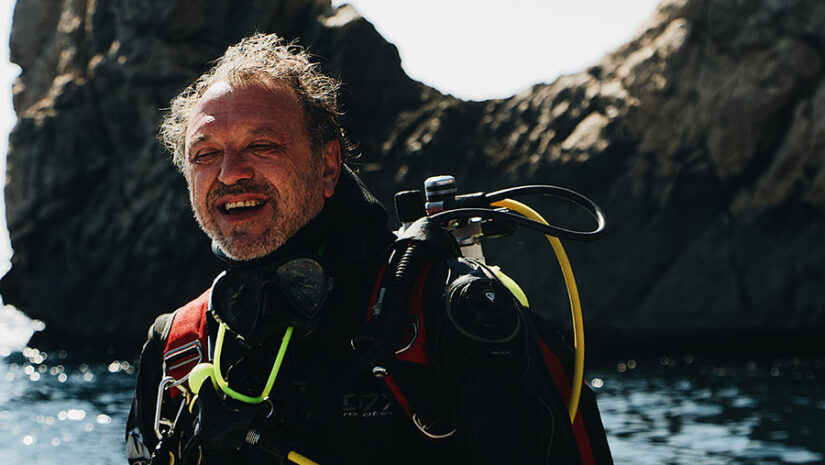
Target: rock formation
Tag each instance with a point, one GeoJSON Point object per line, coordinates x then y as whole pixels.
{"type": "Point", "coordinates": [702, 138]}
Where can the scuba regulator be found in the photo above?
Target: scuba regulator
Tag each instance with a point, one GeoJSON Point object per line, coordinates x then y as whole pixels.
{"type": "Point", "coordinates": [468, 218]}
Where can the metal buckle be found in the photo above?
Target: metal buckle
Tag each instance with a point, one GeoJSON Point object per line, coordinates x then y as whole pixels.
{"type": "Point", "coordinates": [165, 384]}
{"type": "Point", "coordinates": [177, 359]}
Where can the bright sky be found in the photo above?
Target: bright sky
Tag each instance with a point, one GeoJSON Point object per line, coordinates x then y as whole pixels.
{"type": "Point", "coordinates": [481, 49]}
{"type": "Point", "coordinates": [473, 49]}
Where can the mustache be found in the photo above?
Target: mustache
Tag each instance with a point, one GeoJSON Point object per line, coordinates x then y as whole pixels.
{"type": "Point", "coordinates": [244, 186]}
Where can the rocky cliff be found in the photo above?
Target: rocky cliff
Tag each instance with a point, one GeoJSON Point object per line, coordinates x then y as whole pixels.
{"type": "Point", "coordinates": [702, 138]}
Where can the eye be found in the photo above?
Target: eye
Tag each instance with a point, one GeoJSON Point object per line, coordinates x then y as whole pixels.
{"type": "Point", "coordinates": [204, 156]}
{"type": "Point", "coordinates": [263, 148]}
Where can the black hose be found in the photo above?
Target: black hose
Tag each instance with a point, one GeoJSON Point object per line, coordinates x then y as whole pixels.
{"type": "Point", "coordinates": [542, 189]}
{"type": "Point", "coordinates": [399, 289]}
{"type": "Point", "coordinates": [556, 231]}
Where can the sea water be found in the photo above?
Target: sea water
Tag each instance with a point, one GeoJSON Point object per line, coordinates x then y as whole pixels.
{"type": "Point", "coordinates": [59, 407]}
{"type": "Point", "coordinates": [680, 411]}
{"type": "Point", "coordinates": [71, 407]}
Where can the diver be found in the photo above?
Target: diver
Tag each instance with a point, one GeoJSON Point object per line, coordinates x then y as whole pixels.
{"type": "Point", "coordinates": [328, 339]}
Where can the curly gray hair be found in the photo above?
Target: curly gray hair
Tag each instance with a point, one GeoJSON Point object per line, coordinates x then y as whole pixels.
{"type": "Point", "coordinates": [255, 58]}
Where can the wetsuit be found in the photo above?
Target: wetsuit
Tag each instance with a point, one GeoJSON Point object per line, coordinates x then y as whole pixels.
{"type": "Point", "coordinates": [333, 413]}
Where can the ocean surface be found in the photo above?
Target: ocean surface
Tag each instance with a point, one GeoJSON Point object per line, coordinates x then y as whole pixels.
{"type": "Point", "coordinates": [69, 407]}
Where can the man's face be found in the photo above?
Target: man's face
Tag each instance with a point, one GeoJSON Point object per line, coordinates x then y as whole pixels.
{"type": "Point", "coordinates": [254, 179]}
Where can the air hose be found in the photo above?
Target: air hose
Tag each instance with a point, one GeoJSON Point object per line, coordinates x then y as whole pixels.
{"type": "Point", "coordinates": [572, 293]}
{"type": "Point", "coordinates": [276, 367]}
{"type": "Point", "coordinates": [299, 459]}
{"type": "Point", "coordinates": [559, 192]}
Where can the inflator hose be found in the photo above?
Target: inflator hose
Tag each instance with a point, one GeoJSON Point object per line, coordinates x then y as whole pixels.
{"type": "Point", "coordinates": [572, 293]}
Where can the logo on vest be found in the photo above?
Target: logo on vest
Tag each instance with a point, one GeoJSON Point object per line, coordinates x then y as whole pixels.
{"type": "Point", "coordinates": [367, 405]}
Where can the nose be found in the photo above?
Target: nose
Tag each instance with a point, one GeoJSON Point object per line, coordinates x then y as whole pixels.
{"type": "Point", "coordinates": [234, 167]}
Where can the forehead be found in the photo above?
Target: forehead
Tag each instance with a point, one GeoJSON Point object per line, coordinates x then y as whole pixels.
{"type": "Point", "coordinates": [224, 106]}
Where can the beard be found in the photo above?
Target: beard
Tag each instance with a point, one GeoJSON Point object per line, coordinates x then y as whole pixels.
{"type": "Point", "coordinates": [289, 213]}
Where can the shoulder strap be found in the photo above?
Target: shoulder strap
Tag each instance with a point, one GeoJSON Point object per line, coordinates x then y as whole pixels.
{"type": "Point", "coordinates": [557, 355]}
{"type": "Point", "coordinates": [187, 340]}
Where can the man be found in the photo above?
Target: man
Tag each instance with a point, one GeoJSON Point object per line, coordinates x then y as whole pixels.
{"type": "Point", "coordinates": [258, 140]}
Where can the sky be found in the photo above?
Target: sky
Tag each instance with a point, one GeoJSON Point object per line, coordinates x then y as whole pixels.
{"type": "Point", "coordinates": [481, 49]}
{"type": "Point", "coordinates": [472, 49]}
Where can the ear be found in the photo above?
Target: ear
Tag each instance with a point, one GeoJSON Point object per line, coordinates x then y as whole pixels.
{"type": "Point", "coordinates": [331, 167]}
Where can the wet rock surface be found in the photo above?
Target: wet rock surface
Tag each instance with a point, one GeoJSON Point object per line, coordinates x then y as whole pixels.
{"type": "Point", "coordinates": [702, 138]}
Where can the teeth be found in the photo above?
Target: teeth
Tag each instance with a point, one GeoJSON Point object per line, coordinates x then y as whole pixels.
{"type": "Point", "coordinates": [242, 204]}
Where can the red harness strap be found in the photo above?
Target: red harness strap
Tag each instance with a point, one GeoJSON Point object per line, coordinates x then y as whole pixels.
{"type": "Point", "coordinates": [186, 344]}
{"type": "Point", "coordinates": [399, 396]}
{"type": "Point", "coordinates": [564, 387]}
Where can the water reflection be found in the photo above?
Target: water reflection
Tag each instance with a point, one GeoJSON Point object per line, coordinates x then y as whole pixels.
{"type": "Point", "coordinates": [54, 407]}
{"type": "Point", "coordinates": [669, 412]}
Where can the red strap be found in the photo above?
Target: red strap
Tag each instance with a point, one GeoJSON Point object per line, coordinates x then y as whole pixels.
{"type": "Point", "coordinates": [399, 396]}
{"type": "Point", "coordinates": [188, 325]}
{"type": "Point", "coordinates": [564, 387]}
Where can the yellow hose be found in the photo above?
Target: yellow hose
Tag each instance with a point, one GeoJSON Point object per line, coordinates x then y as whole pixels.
{"type": "Point", "coordinates": [276, 367]}
{"type": "Point", "coordinates": [572, 293]}
{"type": "Point", "coordinates": [299, 459]}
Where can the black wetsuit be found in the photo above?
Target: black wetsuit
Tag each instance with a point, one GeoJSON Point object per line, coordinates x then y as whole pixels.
{"type": "Point", "coordinates": [333, 413]}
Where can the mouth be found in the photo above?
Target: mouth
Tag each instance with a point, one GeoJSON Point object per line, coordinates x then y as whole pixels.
{"type": "Point", "coordinates": [241, 202]}
{"type": "Point", "coordinates": [241, 206]}
{"type": "Point", "coordinates": [240, 210]}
